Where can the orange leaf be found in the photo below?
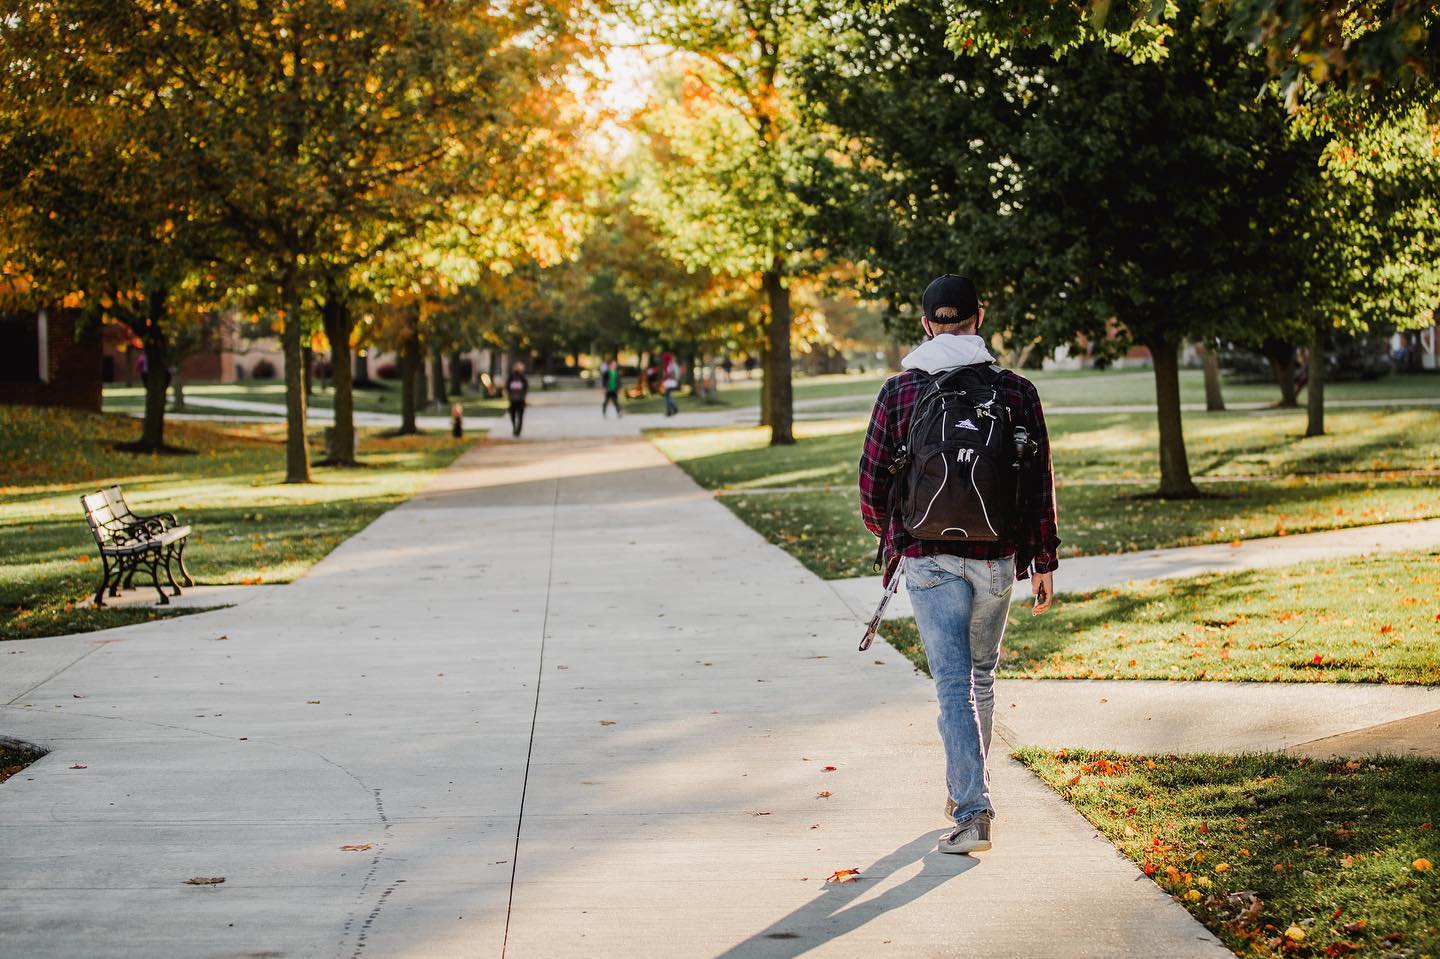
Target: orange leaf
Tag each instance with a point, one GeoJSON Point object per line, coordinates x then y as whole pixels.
{"type": "Point", "coordinates": [355, 847]}
{"type": "Point", "coordinates": [823, 794]}
{"type": "Point", "coordinates": [844, 875]}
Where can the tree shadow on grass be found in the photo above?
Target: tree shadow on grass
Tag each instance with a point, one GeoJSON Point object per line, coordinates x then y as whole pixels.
{"type": "Point", "coordinates": [836, 911]}
{"type": "Point", "coordinates": [146, 449]}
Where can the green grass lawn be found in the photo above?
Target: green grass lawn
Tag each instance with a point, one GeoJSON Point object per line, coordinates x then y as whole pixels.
{"type": "Point", "coordinates": [1137, 387]}
{"type": "Point", "coordinates": [1275, 855]}
{"type": "Point", "coordinates": [1367, 619]}
{"type": "Point", "coordinates": [1363, 472]}
{"type": "Point", "coordinates": [249, 526]}
{"type": "Point", "coordinates": [383, 397]}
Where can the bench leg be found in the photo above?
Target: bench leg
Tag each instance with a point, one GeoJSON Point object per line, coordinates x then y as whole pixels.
{"type": "Point", "coordinates": [154, 565]}
{"type": "Point", "coordinates": [123, 565]}
{"type": "Point", "coordinates": [169, 576]}
{"type": "Point", "coordinates": [184, 573]}
{"type": "Point", "coordinates": [104, 580]}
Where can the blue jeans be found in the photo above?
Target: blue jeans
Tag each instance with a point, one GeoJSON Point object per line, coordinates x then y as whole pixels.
{"type": "Point", "coordinates": [961, 606]}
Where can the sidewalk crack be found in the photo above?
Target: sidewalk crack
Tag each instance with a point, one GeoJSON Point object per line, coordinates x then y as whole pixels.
{"type": "Point", "coordinates": [534, 718]}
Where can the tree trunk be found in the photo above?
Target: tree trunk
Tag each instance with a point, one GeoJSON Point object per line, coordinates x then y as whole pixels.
{"type": "Point", "coordinates": [777, 359]}
{"type": "Point", "coordinates": [1214, 399]}
{"type": "Point", "coordinates": [421, 386]}
{"type": "Point", "coordinates": [309, 368]}
{"type": "Point", "coordinates": [409, 368]}
{"type": "Point", "coordinates": [338, 322]}
{"type": "Point", "coordinates": [157, 385]}
{"type": "Point", "coordinates": [297, 454]}
{"type": "Point", "coordinates": [457, 382]}
{"type": "Point", "coordinates": [764, 387]}
{"type": "Point", "coordinates": [1175, 478]}
{"type": "Point", "coordinates": [362, 368]}
{"type": "Point", "coordinates": [1281, 356]}
{"type": "Point", "coordinates": [1315, 384]}
{"type": "Point", "coordinates": [437, 378]}
{"type": "Point", "coordinates": [177, 390]}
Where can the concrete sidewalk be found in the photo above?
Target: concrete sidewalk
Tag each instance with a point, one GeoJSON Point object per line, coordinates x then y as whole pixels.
{"type": "Point", "coordinates": [561, 704]}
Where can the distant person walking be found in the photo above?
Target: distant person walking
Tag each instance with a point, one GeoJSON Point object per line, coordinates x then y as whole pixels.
{"type": "Point", "coordinates": [516, 388]}
{"type": "Point", "coordinates": [956, 481]}
{"type": "Point", "coordinates": [670, 370]}
{"type": "Point", "coordinates": [610, 379]}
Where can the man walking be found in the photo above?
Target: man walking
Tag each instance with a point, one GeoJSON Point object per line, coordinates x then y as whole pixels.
{"type": "Point", "coordinates": [966, 510]}
{"type": "Point", "coordinates": [517, 388]}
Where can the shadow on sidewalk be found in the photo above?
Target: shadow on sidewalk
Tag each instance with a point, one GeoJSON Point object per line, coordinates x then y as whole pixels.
{"type": "Point", "coordinates": [835, 911]}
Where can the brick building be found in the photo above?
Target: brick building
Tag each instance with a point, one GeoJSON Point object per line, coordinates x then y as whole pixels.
{"type": "Point", "coordinates": [50, 359]}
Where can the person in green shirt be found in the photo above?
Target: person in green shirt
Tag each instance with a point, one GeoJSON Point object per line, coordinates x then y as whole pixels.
{"type": "Point", "coordinates": [610, 379]}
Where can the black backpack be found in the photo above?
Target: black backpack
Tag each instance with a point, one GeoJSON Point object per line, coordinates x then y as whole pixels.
{"type": "Point", "coordinates": [960, 459]}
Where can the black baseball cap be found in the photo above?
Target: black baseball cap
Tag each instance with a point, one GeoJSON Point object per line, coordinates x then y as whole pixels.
{"type": "Point", "coordinates": [951, 290]}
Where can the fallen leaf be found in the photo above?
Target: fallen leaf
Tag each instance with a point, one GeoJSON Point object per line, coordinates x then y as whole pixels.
{"type": "Point", "coordinates": [760, 813]}
{"type": "Point", "coordinates": [355, 847]}
{"type": "Point", "coordinates": [205, 881]}
{"type": "Point", "coordinates": [823, 794]}
{"type": "Point", "coordinates": [79, 766]}
{"type": "Point", "coordinates": [1192, 895]}
{"type": "Point", "coordinates": [77, 696]}
{"type": "Point", "coordinates": [1318, 659]}
{"type": "Point", "coordinates": [1222, 866]}
{"type": "Point", "coordinates": [844, 875]}
{"type": "Point", "coordinates": [1357, 926]}
{"type": "Point", "coordinates": [827, 769]}
{"type": "Point", "coordinates": [1386, 628]}
{"type": "Point", "coordinates": [312, 702]}
{"type": "Point", "coordinates": [1295, 934]}
{"type": "Point", "coordinates": [1422, 865]}
{"type": "Point", "coordinates": [607, 722]}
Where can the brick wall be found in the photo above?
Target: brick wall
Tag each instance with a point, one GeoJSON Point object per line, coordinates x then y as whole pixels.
{"type": "Point", "coordinates": [73, 368]}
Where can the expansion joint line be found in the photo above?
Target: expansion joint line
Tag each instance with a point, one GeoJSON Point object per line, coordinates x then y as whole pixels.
{"type": "Point", "coordinates": [534, 717]}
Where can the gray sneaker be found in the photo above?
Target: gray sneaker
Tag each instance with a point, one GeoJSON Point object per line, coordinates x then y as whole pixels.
{"type": "Point", "coordinates": [972, 835]}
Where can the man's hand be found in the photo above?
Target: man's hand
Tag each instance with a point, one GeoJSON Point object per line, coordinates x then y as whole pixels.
{"type": "Point", "coordinates": [1043, 586]}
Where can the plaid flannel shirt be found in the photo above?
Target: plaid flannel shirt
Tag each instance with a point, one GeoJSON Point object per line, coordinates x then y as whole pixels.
{"type": "Point", "coordinates": [1032, 539]}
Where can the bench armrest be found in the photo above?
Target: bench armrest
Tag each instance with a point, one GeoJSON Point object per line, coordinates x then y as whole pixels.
{"type": "Point", "coordinates": [157, 523]}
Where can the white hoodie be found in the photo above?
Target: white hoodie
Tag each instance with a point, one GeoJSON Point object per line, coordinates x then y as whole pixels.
{"type": "Point", "coordinates": [946, 352]}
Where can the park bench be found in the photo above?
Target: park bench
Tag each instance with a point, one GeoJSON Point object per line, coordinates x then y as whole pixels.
{"type": "Point", "coordinates": [129, 543]}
